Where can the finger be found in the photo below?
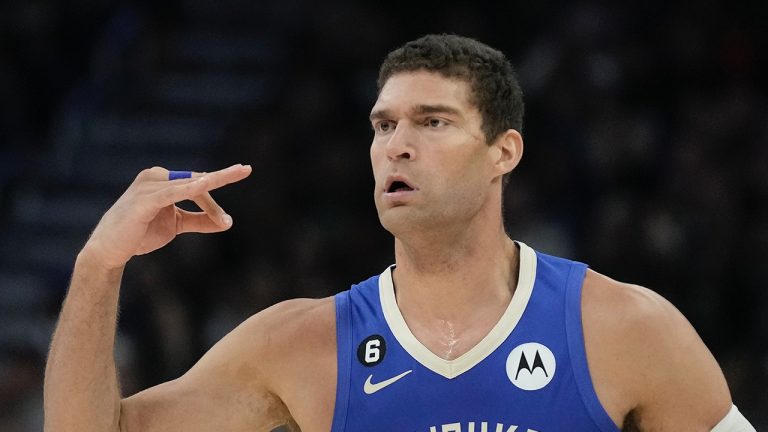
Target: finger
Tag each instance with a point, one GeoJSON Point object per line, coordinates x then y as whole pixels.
{"type": "Point", "coordinates": [179, 175]}
{"type": "Point", "coordinates": [186, 191]}
{"type": "Point", "coordinates": [151, 187]}
{"type": "Point", "coordinates": [214, 211]}
{"type": "Point", "coordinates": [158, 173]}
{"type": "Point", "coordinates": [197, 222]}
{"type": "Point", "coordinates": [204, 201]}
{"type": "Point", "coordinates": [217, 179]}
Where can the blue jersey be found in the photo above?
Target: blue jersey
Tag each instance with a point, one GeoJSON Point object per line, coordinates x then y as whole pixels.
{"type": "Point", "coordinates": [528, 374]}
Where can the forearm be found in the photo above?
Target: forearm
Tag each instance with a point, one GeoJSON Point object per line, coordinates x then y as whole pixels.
{"type": "Point", "coordinates": [81, 387]}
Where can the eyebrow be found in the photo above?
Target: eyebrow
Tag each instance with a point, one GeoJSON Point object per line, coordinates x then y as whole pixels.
{"type": "Point", "coordinates": [379, 114]}
{"type": "Point", "coordinates": [436, 109]}
{"type": "Point", "coordinates": [418, 110]}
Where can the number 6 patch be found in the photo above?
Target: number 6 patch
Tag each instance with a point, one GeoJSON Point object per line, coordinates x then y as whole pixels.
{"type": "Point", "coordinates": [371, 351]}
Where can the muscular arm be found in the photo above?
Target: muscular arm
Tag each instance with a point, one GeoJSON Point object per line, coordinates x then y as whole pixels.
{"type": "Point", "coordinates": [225, 391]}
{"type": "Point", "coordinates": [81, 388]}
{"type": "Point", "coordinates": [80, 380]}
{"type": "Point", "coordinates": [235, 386]}
{"type": "Point", "coordinates": [650, 369]}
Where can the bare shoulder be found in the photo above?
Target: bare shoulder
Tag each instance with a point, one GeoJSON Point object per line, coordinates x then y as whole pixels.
{"type": "Point", "coordinates": [248, 380]}
{"type": "Point", "coordinates": [297, 354]}
{"type": "Point", "coordinates": [647, 360]}
{"type": "Point", "coordinates": [287, 334]}
{"type": "Point", "coordinates": [282, 325]}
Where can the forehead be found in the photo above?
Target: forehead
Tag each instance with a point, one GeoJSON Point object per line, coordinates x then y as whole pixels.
{"type": "Point", "coordinates": [405, 91]}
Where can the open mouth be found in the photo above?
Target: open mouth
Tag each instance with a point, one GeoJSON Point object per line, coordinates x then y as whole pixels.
{"type": "Point", "coordinates": [399, 186]}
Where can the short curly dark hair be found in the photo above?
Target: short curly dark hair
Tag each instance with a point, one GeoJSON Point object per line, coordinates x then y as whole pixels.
{"type": "Point", "coordinates": [493, 83]}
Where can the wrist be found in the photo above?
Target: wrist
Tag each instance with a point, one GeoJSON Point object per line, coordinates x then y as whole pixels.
{"type": "Point", "coordinates": [92, 261]}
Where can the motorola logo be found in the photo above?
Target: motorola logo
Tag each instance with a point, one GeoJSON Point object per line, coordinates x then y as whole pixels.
{"type": "Point", "coordinates": [531, 366]}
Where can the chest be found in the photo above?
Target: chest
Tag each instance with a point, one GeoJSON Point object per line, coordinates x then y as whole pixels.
{"type": "Point", "coordinates": [450, 340]}
{"type": "Point", "coordinates": [527, 373]}
{"type": "Point", "coordinates": [512, 387]}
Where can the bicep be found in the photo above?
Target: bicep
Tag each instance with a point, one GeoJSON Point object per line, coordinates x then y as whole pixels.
{"type": "Point", "coordinates": [224, 391]}
{"type": "Point", "coordinates": [180, 406]}
{"type": "Point", "coordinates": [647, 362]}
{"type": "Point", "coordinates": [683, 387]}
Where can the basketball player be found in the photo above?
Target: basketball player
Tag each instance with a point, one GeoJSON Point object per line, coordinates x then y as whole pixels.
{"type": "Point", "coordinates": [470, 331]}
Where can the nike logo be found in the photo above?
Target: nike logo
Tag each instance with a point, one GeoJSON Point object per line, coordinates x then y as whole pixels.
{"type": "Point", "coordinates": [371, 388]}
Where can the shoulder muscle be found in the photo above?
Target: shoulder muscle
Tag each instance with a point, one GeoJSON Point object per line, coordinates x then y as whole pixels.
{"type": "Point", "coordinates": [236, 384]}
{"type": "Point", "coordinates": [647, 359]}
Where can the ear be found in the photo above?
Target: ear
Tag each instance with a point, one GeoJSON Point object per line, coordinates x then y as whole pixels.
{"type": "Point", "coordinates": [508, 150]}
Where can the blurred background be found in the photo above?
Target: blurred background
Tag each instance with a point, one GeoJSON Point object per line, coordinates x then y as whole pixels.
{"type": "Point", "coordinates": [646, 156]}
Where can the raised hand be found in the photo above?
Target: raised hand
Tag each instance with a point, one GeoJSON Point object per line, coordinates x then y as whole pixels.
{"type": "Point", "coordinates": [146, 218]}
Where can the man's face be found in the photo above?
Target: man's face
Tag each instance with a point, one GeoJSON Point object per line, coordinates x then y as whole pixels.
{"type": "Point", "coordinates": [430, 160]}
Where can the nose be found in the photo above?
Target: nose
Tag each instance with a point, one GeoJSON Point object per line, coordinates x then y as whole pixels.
{"type": "Point", "coordinates": [400, 143]}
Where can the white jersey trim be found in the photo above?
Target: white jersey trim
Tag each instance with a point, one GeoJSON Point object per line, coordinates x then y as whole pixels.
{"type": "Point", "coordinates": [734, 421]}
{"type": "Point", "coordinates": [498, 334]}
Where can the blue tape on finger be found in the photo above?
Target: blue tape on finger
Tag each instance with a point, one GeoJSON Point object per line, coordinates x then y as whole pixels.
{"type": "Point", "coordinates": [175, 175]}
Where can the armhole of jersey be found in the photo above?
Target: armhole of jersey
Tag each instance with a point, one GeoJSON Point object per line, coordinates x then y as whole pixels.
{"type": "Point", "coordinates": [343, 361]}
{"type": "Point", "coordinates": [575, 333]}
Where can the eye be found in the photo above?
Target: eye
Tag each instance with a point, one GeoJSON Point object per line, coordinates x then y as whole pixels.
{"type": "Point", "coordinates": [435, 123]}
{"type": "Point", "coordinates": [383, 126]}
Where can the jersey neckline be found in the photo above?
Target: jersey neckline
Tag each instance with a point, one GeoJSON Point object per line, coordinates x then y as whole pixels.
{"type": "Point", "coordinates": [453, 368]}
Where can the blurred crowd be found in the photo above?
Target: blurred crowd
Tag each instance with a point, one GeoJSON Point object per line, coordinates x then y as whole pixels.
{"type": "Point", "coordinates": [646, 156]}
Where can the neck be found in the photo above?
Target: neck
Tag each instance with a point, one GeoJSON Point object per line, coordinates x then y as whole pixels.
{"type": "Point", "coordinates": [457, 275]}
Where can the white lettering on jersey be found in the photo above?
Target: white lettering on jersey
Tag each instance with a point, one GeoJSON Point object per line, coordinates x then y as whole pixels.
{"type": "Point", "coordinates": [483, 427]}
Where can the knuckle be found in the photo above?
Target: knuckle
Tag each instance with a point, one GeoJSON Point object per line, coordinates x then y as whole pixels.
{"type": "Point", "coordinates": [145, 174]}
{"type": "Point", "coordinates": [138, 188]}
{"type": "Point", "coordinates": [157, 170]}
